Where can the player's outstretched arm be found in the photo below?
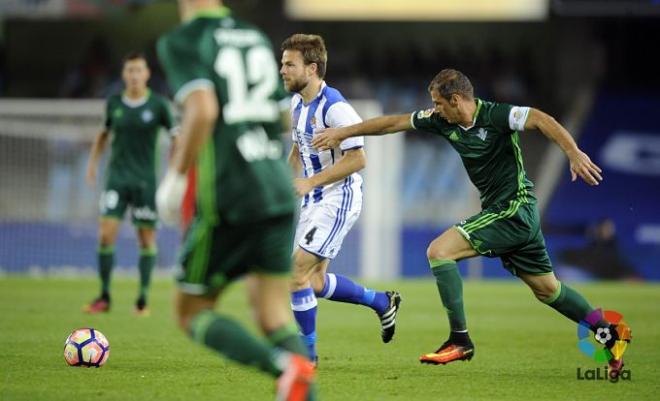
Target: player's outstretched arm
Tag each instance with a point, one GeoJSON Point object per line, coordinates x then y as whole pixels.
{"type": "Point", "coordinates": [200, 112]}
{"type": "Point", "coordinates": [580, 164]}
{"type": "Point", "coordinates": [332, 137]}
{"type": "Point", "coordinates": [98, 146]}
{"type": "Point", "coordinates": [352, 161]}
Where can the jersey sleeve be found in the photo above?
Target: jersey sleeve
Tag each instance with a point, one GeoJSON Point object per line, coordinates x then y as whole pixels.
{"type": "Point", "coordinates": [509, 118]}
{"type": "Point", "coordinates": [183, 67]}
{"type": "Point", "coordinates": [342, 114]}
{"type": "Point", "coordinates": [427, 120]}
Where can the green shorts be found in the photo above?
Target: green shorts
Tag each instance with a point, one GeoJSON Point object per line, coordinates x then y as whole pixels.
{"type": "Point", "coordinates": [214, 255]}
{"type": "Point", "coordinates": [512, 232]}
{"type": "Point", "coordinates": [141, 197]}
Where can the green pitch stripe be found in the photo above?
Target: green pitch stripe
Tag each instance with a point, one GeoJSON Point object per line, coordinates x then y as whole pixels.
{"type": "Point", "coordinates": [481, 223]}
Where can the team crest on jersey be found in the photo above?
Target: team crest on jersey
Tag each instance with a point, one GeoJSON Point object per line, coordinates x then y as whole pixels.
{"type": "Point", "coordinates": [482, 134]}
{"type": "Point", "coordinates": [424, 113]}
{"type": "Point", "coordinates": [117, 113]}
{"type": "Point", "coordinates": [453, 136]}
{"type": "Point", "coordinates": [147, 116]}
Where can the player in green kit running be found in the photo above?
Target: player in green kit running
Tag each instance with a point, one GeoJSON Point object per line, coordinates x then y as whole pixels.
{"type": "Point", "coordinates": [225, 76]}
{"type": "Point", "coordinates": [133, 119]}
{"type": "Point", "coordinates": [485, 134]}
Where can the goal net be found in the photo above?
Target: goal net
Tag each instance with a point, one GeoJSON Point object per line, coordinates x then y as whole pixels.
{"type": "Point", "coordinates": [48, 213]}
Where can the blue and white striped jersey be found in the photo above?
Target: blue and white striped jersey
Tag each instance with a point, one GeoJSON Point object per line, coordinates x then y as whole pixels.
{"type": "Point", "coordinates": [328, 110]}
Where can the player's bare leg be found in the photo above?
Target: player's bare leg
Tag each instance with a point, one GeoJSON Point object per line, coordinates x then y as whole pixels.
{"type": "Point", "coordinates": [148, 254]}
{"type": "Point", "coordinates": [443, 253]}
{"type": "Point", "coordinates": [108, 228]}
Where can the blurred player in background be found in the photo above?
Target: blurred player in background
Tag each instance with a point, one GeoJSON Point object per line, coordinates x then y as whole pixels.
{"type": "Point", "coordinates": [331, 191]}
{"type": "Point", "coordinates": [485, 134]}
{"type": "Point", "coordinates": [134, 118]}
{"type": "Point", "coordinates": [245, 204]}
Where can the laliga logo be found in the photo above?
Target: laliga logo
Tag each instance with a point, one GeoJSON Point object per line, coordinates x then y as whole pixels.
{"type": "Point", "coordinates": [596, 351]}
{"type": "Point", "coordinates": [610, 344]}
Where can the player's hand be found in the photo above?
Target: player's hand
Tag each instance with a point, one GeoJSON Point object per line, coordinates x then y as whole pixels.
{"type": "Point", "coordinates": [90, 177]}
{"type": "Point", "coordinates": [302, 186]}
{"type": "Point", "coordinates": [328, 138]}
{"type": "Point", "coordinates": [169, 197]}
{"type": "Point", "coordinates": [581, 165]}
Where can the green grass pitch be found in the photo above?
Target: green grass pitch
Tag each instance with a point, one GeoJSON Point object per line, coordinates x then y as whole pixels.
{"type": "Point", "coordinates": [525, 351]}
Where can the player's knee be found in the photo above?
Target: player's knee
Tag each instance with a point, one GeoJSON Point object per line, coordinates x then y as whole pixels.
{"type": "Point", "coordinates": [302, 267]}
{"type": "Point", "coordinates": [299, 280]}
{"type": "Point", "coordinates": [318, 281]}
{"type": "Point", "coordinates": [437, 252]}
{"type": "Point", "coordinates": [106, 238]}
{"type": "Point", "coordinates": [544, 290]}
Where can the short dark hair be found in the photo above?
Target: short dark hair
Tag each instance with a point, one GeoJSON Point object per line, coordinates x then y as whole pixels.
{"type": "Point", "coordinates": [134, 55]}
{"type": "Point", "coordinates": [312, 48]}
{"type": "Point", "coordinates": [450, 81]}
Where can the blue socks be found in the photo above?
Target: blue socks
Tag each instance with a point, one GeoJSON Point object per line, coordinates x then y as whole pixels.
{"type": "Point", "coordinates": [337, 288]}
{"type": "Point", "coordinates": [304, 305]}
{"type": "Point", "coordinates": [343, 289]}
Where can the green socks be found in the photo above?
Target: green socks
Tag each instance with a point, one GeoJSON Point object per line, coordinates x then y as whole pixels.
{"type": "Point", "coordinates": [450, 287]}
{"type": "Point", "coordinates": [287, 338]}
{"type": "Point", "coordinates": [230, 339]}
{"type": "Point", "coordinates": [146, 266]}
{"type": "Point", "coordinates": [106, 260]}
{"type": "Point", "coordinates": [569, 303]}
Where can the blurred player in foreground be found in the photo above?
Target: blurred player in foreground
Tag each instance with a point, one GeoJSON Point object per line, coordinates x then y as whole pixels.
{"type": "Point", "coordinates": [134, 118]}
{"type": "Point", "coordinates": [331, 191]}
{"type": "Point", "coordinates": [485, 134]}
{"type": "Point", "coordinates": [244, 219]}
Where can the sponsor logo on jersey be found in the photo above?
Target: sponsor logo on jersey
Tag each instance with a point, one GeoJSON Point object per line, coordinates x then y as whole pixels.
{"type": "Point", "coordinates": [453, 136]}
{"type": "Point", "coordinates": [147, 116]}
{"type": "Point", "coordinates": [482, 134]}
{"type": "Point", "coordinates": [255, 145]}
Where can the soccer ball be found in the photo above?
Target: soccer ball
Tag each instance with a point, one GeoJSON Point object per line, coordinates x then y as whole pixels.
{"type": "Point", "coordinates": [86, 347]}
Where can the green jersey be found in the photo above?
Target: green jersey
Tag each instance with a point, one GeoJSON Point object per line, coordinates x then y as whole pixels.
{"type": "Point", "coordinates": [242, 174]}
{"type": "Point", "coordinates": [489, 149]}
{"type": "Point", "coordinates": [135, 125]}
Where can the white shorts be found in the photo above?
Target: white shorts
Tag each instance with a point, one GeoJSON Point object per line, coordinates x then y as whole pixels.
{"type": "Point", "coordinates": [322, 226]}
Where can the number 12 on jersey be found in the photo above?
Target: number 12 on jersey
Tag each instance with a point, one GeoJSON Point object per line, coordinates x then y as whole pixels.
{"type": "Point", "coordinates": [251, 81]}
